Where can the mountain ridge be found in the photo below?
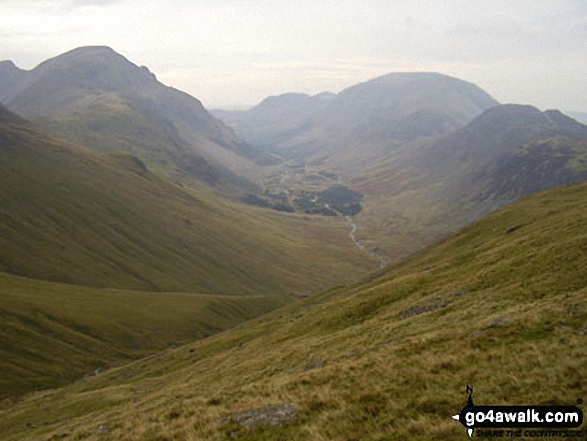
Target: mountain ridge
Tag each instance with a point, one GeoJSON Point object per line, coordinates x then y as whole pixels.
{"type": "Point", "coordinates": [373, 117]}
{"type": "Point", "coordinates": [428, 189]}
{"type": "Point", "coordinates": [96, 97]}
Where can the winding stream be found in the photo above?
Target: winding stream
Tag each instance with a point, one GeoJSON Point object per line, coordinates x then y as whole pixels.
{"type": "Point", "coordinates": [353, 229]}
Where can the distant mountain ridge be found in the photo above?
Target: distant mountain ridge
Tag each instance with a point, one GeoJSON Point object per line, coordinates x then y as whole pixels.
{"type": "Point", "coordinates": [409, 105]}
{"type": "Point", "coordinates": [545, 150]}
{"type": "Point", "coordinates": [579, 116]}
{"type": "Point", "coordinates": [276, 118]}
{"type": "Point", "coordinates": [96, 97]}
{"type": "Point", "coordinates": [371, 117]}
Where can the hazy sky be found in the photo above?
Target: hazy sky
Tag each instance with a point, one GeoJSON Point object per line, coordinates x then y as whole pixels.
{"type": "Point", "coordinates": [237, 52]}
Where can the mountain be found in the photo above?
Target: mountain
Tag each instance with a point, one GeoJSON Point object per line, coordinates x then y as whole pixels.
{"type": "Point", "coordinates": [11, 79]}
{"type": "Point", "coordinates": [427, 189]}
{"type": "Point", "coordinates": [501, 306]}
{"type": "Point", "coordinates": [364, 122]}
{"type": "Point", "coordinates": [276, 118]}
{"type": "Point", "coordinates": [406, 106]}
{"type": "Point", "coordinates": [508, 152]}
{"type": "Point", "coordinates": [428, 153]}
{"type": "Point", "coordinates": [96, 97]}
{"type": "Point", "coordinates": [519, 150]}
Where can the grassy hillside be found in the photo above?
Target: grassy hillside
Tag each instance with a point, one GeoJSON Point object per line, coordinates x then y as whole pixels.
{"type": "Point", "coordinates": [52, 333]}
{"type": "Point", "coordinates": [79, 217]}
{"type": "Point", "coordinates": [184, 263]}
{"type": "Point", "coordinates": [502, 305]}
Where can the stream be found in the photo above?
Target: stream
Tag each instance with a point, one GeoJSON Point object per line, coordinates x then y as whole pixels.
{"type": "Point", "coordinates": [353, 229]}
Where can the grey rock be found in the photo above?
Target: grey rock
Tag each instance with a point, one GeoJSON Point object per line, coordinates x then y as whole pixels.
{"type": "Point", "coordinates": [276, 415]}
{"type": "Point", "coordinates": [314, 364]}
{"type": "Point", "coordinates": [460, 293]}
{"type": "Point", "coordinates": [575, 309]}
{"type": "Point", "coordinates": [102, 429]}
{"type": "Point", "coordinates": [421, 308]}
{"type": "Point", "coordinates": [497, 323]}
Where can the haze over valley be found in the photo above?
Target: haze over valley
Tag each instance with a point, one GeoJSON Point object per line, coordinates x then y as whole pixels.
{"type": "Point", "coordinates": [342, 260]}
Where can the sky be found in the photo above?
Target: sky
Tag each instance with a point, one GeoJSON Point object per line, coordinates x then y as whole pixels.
{"type": "Point", "coordinates": [234, 53]}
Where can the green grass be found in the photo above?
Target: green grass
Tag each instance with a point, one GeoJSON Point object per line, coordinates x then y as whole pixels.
{"type": "Point", "coordinates": [510, 319]}
{"type": "Point", "coordinates": [79, 217]}
{"type": "Point", "coordinates": [54, 333]}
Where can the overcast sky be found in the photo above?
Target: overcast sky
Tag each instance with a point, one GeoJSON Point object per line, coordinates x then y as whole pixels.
{"type": "Point", "coordinates": [233, 53]}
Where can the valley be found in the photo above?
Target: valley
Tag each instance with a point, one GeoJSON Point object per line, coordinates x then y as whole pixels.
{"type": "Point", "coordinates": [112, 237]}
{"type": "Point", "coordinates": [387, 357]}
{"type": "Point", "coordinates": [416, 187]}
{"type": "Point", "coordinates": [351, 259]}
{"type": "Point", "coordinates": [313, 189]}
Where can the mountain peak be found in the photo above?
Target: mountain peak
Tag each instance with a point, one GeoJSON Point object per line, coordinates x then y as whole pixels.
{"type": "Point", "coordinates": [325, 96]}
{"type": "Point", "coordinates": [506, 129]}
{"type": "Point", "coordinates": [89, 51]}
{"type": "Point", "coordinates": [513, 110]}
{"type": "Point", "coordinates": [84, 54]}
{"type": "Point", "coordinates": [559, 118]}
{"type": "Point", "coordinates": [8, 70]}
{"type": "Point", "coordinates": [97, 68]}
{"type": "Point", "coordinates": [284, 98]}
{"type": "Point", "coordinates": [414, 76]}
{"type": "Point", "coordinates": [92, 49]}
{"type": "Point", "coordinates": [424, 86]}
{"type": "Point", "coordinates": [96, 87]}
{"type": "Point", "coordinates": [402, 78]}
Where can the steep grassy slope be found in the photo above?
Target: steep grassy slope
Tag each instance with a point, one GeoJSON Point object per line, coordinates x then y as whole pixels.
{"type": "Point", "coordinates": [75, 216]}
{"type": "Point", "coordinates": [52, 333]}
{"type": "Point", "coordinates": [502, 306]}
